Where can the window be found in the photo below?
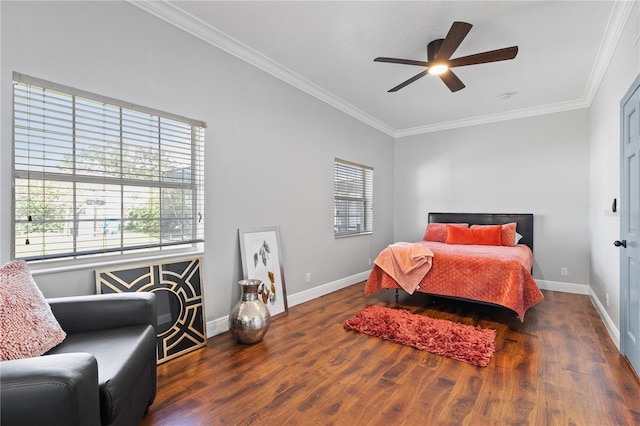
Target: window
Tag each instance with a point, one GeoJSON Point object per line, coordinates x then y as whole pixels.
{"type": "Point", "coordinates": [353, 211]}
{"type": "Point", "coordinates": [94, 175]}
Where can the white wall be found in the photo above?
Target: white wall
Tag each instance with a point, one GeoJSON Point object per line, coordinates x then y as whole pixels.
{"type": "Point", "coordinates": [536, 165]}
{"type": "Point", "coordinates": [269, 147]}
{"type": "Point", "coordinates": [604, 175]}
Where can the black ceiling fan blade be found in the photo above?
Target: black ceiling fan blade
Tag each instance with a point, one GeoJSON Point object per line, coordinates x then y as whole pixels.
{"type": "Point", "coordinates": [456, 34]}
{"type": "Point", "coordinates": [452, 81]}
{"type": "Point", "coordinates": [402, 61]}
{"type": "Point", "coordinates": [485, 57]}
{"type": "Point", "coordinates": [411, 80]}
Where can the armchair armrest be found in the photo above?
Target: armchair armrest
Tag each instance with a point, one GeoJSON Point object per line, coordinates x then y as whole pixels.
{"type": "Point", "coordinates": [77, 314]}
{"type": "Point", "coordinates": [50, 389]}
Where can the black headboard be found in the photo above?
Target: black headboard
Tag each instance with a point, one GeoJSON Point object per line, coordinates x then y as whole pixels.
{"type": "Point", "coordinates": [524, 221]}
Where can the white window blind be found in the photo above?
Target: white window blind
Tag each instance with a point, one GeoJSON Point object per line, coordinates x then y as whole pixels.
{"type": "Point", "coordinates": [353, 212]}
{"type": "Point", "coordinates": [95, 175]}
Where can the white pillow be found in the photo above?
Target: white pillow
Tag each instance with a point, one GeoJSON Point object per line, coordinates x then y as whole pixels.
{"type": "Point", "coordinates": [518, 237]}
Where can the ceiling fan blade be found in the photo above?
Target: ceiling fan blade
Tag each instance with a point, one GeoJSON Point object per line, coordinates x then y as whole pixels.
{"type": "Point", "coordinates": [485, 57]}
{"type": "Point", "coordinates": [411, 80]}
{"type": "Point", "coordinates": [452, 81]}
{"type": "Point", "coordinates": [456, 34]}
{"type": "Point", "coordinates": [402, 61]}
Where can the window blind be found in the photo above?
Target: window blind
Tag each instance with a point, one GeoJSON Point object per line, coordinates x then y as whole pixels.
{"type": "Point", "coordinates": [353, 207]}
{"type": "Point", "coordinates": [96, 175]}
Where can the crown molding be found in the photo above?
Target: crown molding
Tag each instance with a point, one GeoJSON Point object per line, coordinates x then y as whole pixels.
{"type": "Point", "coordinates": [175, 16]}
{"type": "Point", "coordinates": [493, 118]}
{"type": "Point", "coordinates": [617, 21]}
{"type": "Point", "coordinates": [197, 28]}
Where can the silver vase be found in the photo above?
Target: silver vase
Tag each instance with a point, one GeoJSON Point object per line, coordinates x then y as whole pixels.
{"type": "Point", "coordinates": [249, 319]}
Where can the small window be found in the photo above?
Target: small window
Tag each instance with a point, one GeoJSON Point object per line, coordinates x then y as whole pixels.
{"type": "Point", "coordinates": [94, 175]}
{"type": "Point", "coordinates": [353, 210]}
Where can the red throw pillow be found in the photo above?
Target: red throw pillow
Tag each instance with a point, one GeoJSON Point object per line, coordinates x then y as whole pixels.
{"type": "Point", "coordinates": [485, 235]}
{"type": "Point", "coordinates": [438, 231]}
{"type": "Point", "coordinates": [508, 234]}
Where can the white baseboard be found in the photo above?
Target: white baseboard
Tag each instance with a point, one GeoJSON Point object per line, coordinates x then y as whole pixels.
{"type": "Point", "coordinates": [614, 332]}
{"type": "Point", "coordinates": [217, 326]}
{"type": "Point", "coordinates": [221, 325]}
{"type": "Point", "coordinates": [315, 292]}
{"type": "Point", "coordinates": [564, 287]}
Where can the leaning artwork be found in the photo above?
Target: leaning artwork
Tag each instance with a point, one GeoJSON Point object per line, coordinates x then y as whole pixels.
{"type": "Point", "coordinates": [262, 260]}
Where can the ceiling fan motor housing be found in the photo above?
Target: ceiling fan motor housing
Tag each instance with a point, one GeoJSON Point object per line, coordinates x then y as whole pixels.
{"type": "Point", "coordinates": [433, 48]}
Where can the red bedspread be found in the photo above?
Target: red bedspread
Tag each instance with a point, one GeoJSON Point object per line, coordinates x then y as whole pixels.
{"type": "Point", "coordinates": [493, 274]}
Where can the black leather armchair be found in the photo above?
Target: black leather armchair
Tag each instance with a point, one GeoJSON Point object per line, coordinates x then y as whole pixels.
{"type": "Point", "coordinates": [104, 372]}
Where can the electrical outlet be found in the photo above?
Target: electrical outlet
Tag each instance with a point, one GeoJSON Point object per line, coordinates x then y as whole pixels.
{"type": "Point", "coordinates": [308, 277]}
{"type": "Point", "coordinates": [369, 261]}
{"type": "Point", "coordinates": [607, 295]}
{"type": "Point", "coordinates": [564, 272]}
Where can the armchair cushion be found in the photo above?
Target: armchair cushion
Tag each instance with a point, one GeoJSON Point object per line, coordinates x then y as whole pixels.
{"type": "Point", "coordinates": [27, 325]}
{"type": "Point", "coordinates": [123, 358]}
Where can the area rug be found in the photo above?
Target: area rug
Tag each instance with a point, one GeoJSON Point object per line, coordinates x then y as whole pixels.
{"type": "Point", "coordinates": [467, 343]}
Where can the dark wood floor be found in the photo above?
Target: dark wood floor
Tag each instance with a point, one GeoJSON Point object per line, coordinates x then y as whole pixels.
{"type": "Point", "coordinates": [558, 368]}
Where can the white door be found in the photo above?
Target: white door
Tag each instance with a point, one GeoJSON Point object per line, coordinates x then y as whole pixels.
{"type": "Point", "coordinates": [630, 226]}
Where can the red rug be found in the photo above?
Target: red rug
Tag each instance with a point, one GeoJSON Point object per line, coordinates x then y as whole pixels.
{"type": "Point", "coordinates": [467, 343]}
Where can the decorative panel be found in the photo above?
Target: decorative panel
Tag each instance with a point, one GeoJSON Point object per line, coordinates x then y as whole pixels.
{"type": "Point", "coordinates": [178, 287]}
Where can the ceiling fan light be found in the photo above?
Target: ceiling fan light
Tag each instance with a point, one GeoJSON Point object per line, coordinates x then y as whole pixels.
{"type": "Point", "coordinates": [438, 69]}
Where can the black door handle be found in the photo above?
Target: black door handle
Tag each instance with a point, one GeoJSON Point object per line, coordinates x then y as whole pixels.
{"type": "Point", "coordinates": [622, 243]}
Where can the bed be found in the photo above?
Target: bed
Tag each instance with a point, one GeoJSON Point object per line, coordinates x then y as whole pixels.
{"type": "Point", "coordinates": [496, 271]}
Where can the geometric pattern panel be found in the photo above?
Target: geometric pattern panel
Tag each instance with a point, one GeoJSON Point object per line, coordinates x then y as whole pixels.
{"type": "Point", "coordinates": [178, 289]}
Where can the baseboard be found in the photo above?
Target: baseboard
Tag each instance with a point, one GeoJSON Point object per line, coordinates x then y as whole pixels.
{"type": "Point", "coordinates": [221, 325]}
{"type": "Point", "coordinates": [614, 332]}
{"type": "Point", "coordinates": [321, 290]}
{"type": "Point", "coordinates": [217, 326]}
{"type": "Point", "coordinates": [563, 287]}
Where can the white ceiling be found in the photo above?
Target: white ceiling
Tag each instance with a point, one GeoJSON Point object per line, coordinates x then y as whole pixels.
{"type": "Point", "coordinates": [326, 48]}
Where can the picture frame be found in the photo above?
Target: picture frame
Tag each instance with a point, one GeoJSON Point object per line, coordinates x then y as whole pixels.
{"type": "Point", "coordinates": [262, 260]}
{"type": "Point", "coordinates": [177, 284]}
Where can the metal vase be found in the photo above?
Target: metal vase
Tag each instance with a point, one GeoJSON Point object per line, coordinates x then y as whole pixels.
{"type": "Point", "coordinates": [249, 319]}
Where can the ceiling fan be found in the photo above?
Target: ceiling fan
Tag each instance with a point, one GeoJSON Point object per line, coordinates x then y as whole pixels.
{"type": "Point", "coordinates": [439, 52]}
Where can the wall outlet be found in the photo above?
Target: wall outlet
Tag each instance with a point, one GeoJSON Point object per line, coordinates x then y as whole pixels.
{"type": "Point", "coordinates": [369, 261]}
{"type": "Point", "coordinates": [607, 297]}
{"type": "Point", "coordinates": [564, 272]}
{"type": "Point", "coordinates": [308, 277]}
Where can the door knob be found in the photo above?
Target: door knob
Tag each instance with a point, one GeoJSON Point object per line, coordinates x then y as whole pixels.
{"type": "Point", "coordinates": [622, 243]}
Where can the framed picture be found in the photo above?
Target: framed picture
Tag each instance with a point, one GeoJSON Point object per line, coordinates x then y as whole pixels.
{"type": "Point", "coordinates": [177, 285]}
{"type": "Point", "coordinates": [261, 260]}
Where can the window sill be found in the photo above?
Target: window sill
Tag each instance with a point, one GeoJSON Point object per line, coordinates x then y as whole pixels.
{"type": "Point", "coordinates": [337, 237]}
{"type": "Point", "coordinates": [56, 266]}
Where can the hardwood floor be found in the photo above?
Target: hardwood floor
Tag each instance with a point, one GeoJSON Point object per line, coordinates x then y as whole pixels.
{"type": "Point", "coordinates": [559, 367]}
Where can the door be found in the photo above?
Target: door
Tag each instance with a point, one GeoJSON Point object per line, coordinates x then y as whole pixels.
{"type": "Point", "coordinates": [630, 226]}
